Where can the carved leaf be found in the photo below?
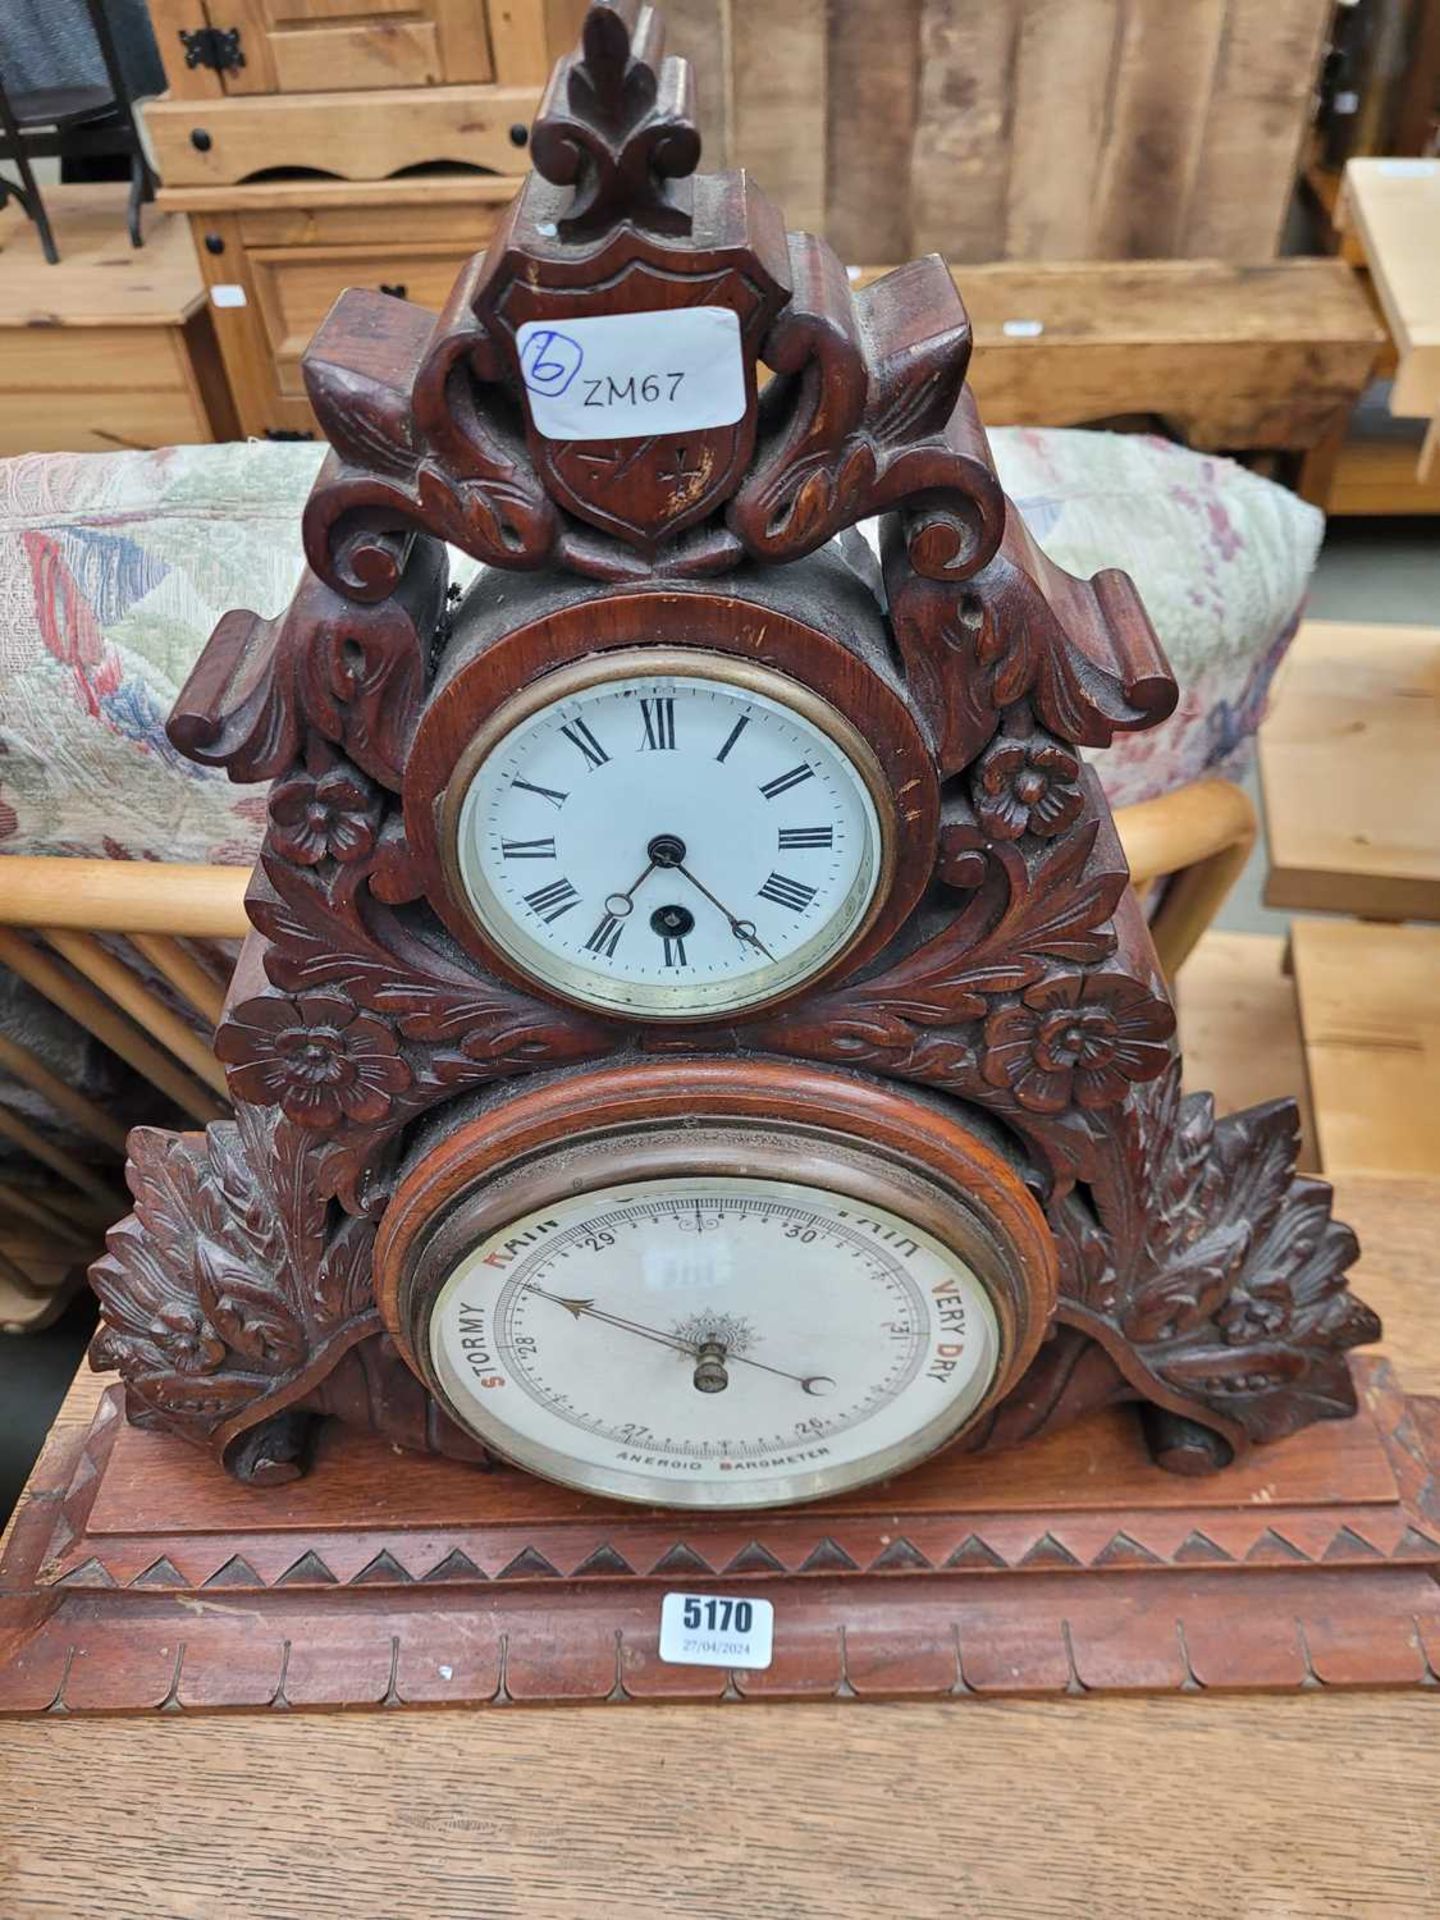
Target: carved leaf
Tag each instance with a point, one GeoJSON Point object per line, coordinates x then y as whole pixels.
{"type": "Point", "coordinates": [249, 1312]}
{"type": "Point", "coordinates": [1230, 1272]}
{"type": "Point", "coordinates": [342, 1285]}
{"type": "Point", "coordinates": [1186, 1294]}
{"type": "Point", "coordinates": [201, 1287]}
{"type": "Point", "coordinates": [317, 943]}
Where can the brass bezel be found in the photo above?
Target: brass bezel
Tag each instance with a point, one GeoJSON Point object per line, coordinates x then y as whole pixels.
{"type": "Point", "coordinates": [578, 676]}
{"type": "Point", "coordinates": [634, 1152]}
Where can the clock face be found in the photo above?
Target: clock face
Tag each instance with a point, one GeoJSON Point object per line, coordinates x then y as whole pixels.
{"type": "Point", "coordinates": [672, 845]}
{"type": "Point", "coordinates": [713, 1341]}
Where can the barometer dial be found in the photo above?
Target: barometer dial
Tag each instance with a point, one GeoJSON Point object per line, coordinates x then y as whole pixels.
{"type": "Point", "coordinates": [713, 1341]}
{"type": "Point", "coordinates": [671, 845]}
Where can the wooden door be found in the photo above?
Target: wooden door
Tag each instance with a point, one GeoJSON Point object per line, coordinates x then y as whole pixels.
{"type": "Point", "coordinates": [336, 46]}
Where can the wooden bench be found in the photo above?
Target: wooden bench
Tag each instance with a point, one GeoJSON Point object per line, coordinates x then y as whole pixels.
{"type": "Point", "coordinates": [1350, 772]}
{"type": "Point", "coordinates": [1391, 209]}
{"type": "Point", "coordinates": [1371, 1026]}
{"type": "Point", "coordinates": [1267, 358]}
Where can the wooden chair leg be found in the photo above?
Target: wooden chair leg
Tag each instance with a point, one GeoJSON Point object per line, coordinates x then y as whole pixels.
{"type": "Point", "coordinates": [83, 1113]}
{"type": "Point", "coordinates": [184, 972]}
{"type": "Point", "coordinates": [85, 953]}
{"type": "Point", "coordinates": [15, 1200]}
{"type": "Point", "coordinates": [13, 1128]}
{"type": "Point", "coordinates": [100, 1018]}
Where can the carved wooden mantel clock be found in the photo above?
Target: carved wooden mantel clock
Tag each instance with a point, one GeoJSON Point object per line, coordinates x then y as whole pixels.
{"type": "Point", "coordinates": [697, 1042]}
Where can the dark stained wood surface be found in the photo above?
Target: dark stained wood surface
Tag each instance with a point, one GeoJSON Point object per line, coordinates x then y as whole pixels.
{"type": "Point", "coordinates": [1328, 1802]}
{"type": "Point", "coordinates": [1008, 972]}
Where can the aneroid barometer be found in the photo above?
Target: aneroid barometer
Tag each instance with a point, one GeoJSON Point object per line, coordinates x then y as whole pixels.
{"type": "Point", "coordinates": [697, 1044]}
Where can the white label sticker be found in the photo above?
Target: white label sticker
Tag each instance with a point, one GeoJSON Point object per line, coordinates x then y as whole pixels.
{"type": "Point", "coordinates": [716, 1630]}
{"type": "Point", "coordinates": [227, 296]}
{"type": "Point", "coordinates": [625, 376]}
{"type": "Point", "coordinates": [1408, 169]}
{"type": "Point", "coordinates": [1023, 329]}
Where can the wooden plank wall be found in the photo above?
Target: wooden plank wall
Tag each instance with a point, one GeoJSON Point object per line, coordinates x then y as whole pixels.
{"type": "Point", "coordinates": [1013, 129]}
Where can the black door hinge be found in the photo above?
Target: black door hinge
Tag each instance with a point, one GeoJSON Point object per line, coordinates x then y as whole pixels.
{"type": "Point", "coordinates": [215, 47]}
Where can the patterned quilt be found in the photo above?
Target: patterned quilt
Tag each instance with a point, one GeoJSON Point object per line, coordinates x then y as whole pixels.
{"type": "Point", "coordinates": [115, 567]}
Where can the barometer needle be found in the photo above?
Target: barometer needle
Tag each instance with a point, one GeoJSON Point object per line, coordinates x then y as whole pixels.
{"type": "Point", "coordinates": [813, 1383]}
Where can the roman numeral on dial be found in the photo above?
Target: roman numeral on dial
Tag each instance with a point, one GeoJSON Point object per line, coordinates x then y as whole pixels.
{"type": "Point", "coordinates": [606, 937]}
{"type": "Point", "coordinates": [552, 794]}
{"type": "Point", "coordinates": [674, 951]}
{"type": "Point", "coordinates": [579, 735]}
{"type": "Point", "coordinates": [527, 849]}
{"type": "Point", "coordinates": [552, 900]}
{"type": "Point", "coordinates": [787, 893]}
{"type": "Point", "coordinates": [659, 718]}
{"type": "Point", "coordinates": [733, 735]}
{"type": "Point", "coordinates": [783, 782]}
{"type": "Point", "coordinates": [806, 837]}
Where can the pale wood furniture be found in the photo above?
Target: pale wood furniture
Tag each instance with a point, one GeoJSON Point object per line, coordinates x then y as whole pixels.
{"type": "Point", "coordinates": [224, 49]}
{"type": "Point", "coordinates": [1348, 765]}
{"type": "Point", "coordinates": [275, 255]}
{"type": "Point", "coordinates": [217, 144]}
{"type": "Point", "coordinates": [463, 1809]}
{"type": "Point", "coordinates": [1392, 208]}
{"type": "Point", "coordinates": [1193, 842]}
{"type": "Point", "coordinates": [258, 87]}
{"type": "Point", "coordinates": [111, 348]}
{"type": "Point", "coordinates": [1240, 1026]}
{"type": "Point", "coordinates": [1386, 224]}
{"type": "Point", "coordinates": [1121, 131]}
{"type": "Point", "coordinates": [1263, 358]}
{"type": "Point", "coordinates": [1371, 1019]}
{"type": "Point", "coordinates": [344, 97]}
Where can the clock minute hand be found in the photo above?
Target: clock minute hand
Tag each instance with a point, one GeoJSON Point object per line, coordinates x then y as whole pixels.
{"type": "Point", "coordinates": [742, 929]}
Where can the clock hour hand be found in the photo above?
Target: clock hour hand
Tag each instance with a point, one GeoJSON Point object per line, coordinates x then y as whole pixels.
{"type": "Point", "coordinates": [617, 905]}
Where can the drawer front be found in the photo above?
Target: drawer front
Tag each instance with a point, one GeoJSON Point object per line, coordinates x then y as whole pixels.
{"type": "Point", "coordinates": [95, 389]}
{"type": "Point", "coordinates": [295, 290]}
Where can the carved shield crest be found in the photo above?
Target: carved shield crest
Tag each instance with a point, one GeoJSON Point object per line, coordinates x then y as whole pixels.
{"type": "Point", "coordinates": [641, 486]}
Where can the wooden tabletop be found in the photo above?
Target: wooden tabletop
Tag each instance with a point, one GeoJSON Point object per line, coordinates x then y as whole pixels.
{"type": "Point", "coordinates": [1373, 1056]}
{"type": "Point", "coordinates": [1350, 770]}
{"type": "Point", "coordinates": [1393, 208]}
{"type": "Point", "coordinates": [1197, 1807]}
{"type": "Point", "coordinates": [100, 279]}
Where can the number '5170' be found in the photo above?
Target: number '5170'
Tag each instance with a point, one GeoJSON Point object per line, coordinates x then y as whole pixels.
{"type": "Point", "coordinates": [720, 1616]}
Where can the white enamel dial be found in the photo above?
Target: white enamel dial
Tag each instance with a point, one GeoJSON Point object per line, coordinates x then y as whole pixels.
{"type": "Point", "coordinates": [713, 1341]}
{"type": "Point", "coordinates": [672, 845]}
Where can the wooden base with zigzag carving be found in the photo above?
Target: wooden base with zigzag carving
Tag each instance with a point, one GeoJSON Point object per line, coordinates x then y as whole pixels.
{"type": "Point", "coordinates": [140, 1577]}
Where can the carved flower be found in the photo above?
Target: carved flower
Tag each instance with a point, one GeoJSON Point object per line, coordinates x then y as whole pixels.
{"type": "Point", "coordinates": [1026, 783]}
{"type": "Point", "coordinates": [187, 1338]}
{"type": "Point", "coordinates": [1080, 1037]}
{"type": "Point", "coordinates": [336, 814]}
{"type": "Point", "coordinates": [316, 1056]}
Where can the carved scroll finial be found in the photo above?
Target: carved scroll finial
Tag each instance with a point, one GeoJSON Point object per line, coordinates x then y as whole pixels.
{"type": "Point", "coordinates": [617, 124]}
